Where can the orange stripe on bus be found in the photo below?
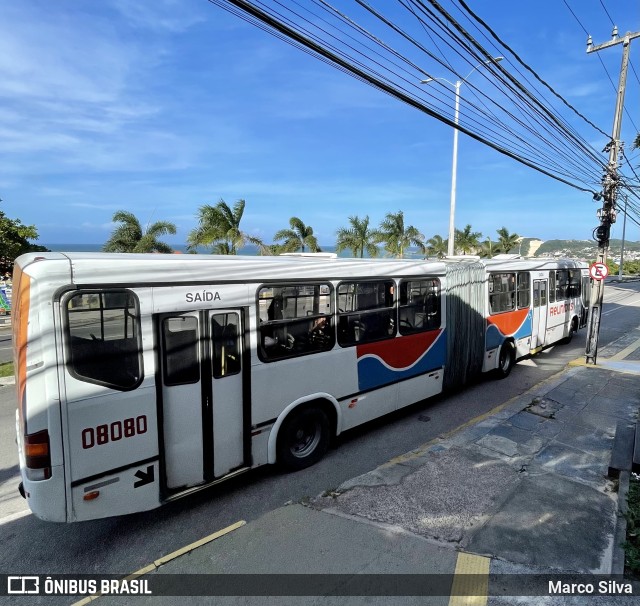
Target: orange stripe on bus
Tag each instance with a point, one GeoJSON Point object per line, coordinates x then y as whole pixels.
{"type": "Point", "coordinates": [20, 322]}
{"type": "Point", "coordinates": [509, 322]}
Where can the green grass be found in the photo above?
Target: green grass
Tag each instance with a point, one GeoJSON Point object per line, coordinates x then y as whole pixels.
{"type": "Point", "coordinates": [6, 369]}
{"type": "Point", "coordinates": [632, 545]}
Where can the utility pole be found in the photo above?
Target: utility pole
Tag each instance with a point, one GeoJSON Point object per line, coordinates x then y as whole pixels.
{"type": "Point", "coordinates": [607, 214]}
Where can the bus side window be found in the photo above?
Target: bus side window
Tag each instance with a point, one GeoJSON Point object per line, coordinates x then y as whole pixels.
{"type": "Point", "coordinates": [226, 346]}
{"type": "Point", "coordinates": [294, 320]}
{"type": "Point", "coordinates": [573, 289]}
{"type": "Point", "coordinates": [419, 308]}
{"type": "Point", "coordinates": [181, 364]}
{"type": "Point", "coordinates": [365, 312]}
{"type": "Point", "coordinates": [524, 282]}
{"type": "Point", "coordinates": [562, 284]}
{"type": "Point", "coordinates": [103, 334]}
{"type": "Point", "coordinates": [502, 292]}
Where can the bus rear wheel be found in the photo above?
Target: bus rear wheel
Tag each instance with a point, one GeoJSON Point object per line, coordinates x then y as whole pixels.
{"type": "Point", "coordinates": [572, 331]}
{"type": "Point", "coordinates": [303, 438]}
{"type": "Point", "coordinates": [506, 360]}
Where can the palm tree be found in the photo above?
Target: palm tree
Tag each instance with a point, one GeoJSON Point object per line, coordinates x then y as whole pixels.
{"type": "Point", "coordinates": [397, 237]}
{"type": "Point", "coordinates": [506, 241]}
{"type": "Point", "coordinates": [219, 228]}
{"type": "Point", "coordinates": [129, 237]}
{"type": "Point", "coordinates": [488, 248]}
{"type": "Point", "coordinates": [299, 236]}
{"type": "Point", "coordinates": [437, 247]}
{"type": "Point", "coordinates": [277, 249]}
{"type": "Point", "coordinates": [358, 238]}
{"type": "Point", "coordinates": [467, 241]}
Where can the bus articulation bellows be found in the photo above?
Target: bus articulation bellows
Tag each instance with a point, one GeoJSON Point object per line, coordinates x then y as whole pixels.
{"type": "Point", "coordinates": [143, 378]}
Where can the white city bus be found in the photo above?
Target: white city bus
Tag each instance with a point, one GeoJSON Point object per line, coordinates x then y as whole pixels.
{"type": "Point", "coordinates": [143, 378]}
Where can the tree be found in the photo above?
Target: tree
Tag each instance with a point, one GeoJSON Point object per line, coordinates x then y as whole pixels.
{"type": "Point", "coordinates": [506, 241]}
{"type": "Point", "coordinates": [14, 241]}
{"type": "Point", "coordinates": [219, 228]}
{"type": "Point", "coordinates": [467, 241]}
{"type": "Point", "coordinates": [437, 247]}
{"type": "Point", "coordinates": [129, 237]}
{"type": "Point", "coordinates": [396, 237]}
{"type": "Point", "coordinates": [488, 248]}
{"type": "Point", "coordinates": [277, 249]}
{"type": "Point", "coordinates": [358, 238]}
{"type": "Point", "coordinates": [298, 236]}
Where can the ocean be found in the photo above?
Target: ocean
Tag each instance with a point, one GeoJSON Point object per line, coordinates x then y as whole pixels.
{"type": "Point", "coordinates": [246, 250]}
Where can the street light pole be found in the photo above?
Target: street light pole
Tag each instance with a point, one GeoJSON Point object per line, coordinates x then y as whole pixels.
{"type": "Point", "coordinates": [454, 173]}
{"type": "Point", "coordinates": [454, 167]}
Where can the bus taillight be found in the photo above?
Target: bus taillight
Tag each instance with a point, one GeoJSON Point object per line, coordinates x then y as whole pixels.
{"type": "Point", "coordinates": [37, 455]}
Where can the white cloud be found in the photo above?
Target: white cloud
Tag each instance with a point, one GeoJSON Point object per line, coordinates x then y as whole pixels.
{"type": "Point", "coordinates": [161, 15]}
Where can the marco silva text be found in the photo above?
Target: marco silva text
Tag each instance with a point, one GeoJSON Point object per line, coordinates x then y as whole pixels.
{"type": "Point", "coordinates": [608, 587]}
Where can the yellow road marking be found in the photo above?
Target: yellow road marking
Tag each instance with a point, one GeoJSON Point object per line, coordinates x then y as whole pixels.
{"type": "Point", "coordinates": [172, 556]}
{"type": "Point", "coordinates": [579, 362]}
{"type": "Point", "coordinates": [621, 355]}
{"type": "Point", "coordinates": [471, 581]}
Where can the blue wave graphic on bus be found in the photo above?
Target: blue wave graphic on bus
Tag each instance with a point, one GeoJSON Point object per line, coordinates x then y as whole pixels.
{"type": "Point", "coordinates": [373, 372]}
{"type": "Point", "coordinates": [494, 337]}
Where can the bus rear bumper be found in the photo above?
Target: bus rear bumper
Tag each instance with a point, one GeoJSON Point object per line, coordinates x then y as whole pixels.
{"type": "Point", "coordinates": [46, 498]}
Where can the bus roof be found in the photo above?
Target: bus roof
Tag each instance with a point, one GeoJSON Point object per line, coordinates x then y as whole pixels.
{"type": "Point", "coordinates": [84, 268]}
{"type": "Point", "coordinates": [130, 268]}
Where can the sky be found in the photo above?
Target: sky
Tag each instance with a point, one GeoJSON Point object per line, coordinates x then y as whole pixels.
{"type": "Point", "coordinates": [160, 107]}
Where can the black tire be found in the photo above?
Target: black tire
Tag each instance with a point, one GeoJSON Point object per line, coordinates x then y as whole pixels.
{"type": "Point", "coordinates": [506, 360]}
{"type": "Point", "coordinates": [303, 438]}
{"type": "Point", "coordinates": [572, 331]}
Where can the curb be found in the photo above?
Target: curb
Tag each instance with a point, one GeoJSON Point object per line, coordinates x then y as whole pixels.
{"type": "Point", "coordinates": [620, 533]}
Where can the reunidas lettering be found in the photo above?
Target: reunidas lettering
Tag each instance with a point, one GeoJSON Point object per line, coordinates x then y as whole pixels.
{"type": "Point", "coordinates": [200, 297]}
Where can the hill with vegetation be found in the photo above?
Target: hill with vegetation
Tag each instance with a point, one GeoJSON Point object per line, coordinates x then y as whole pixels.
{"type": "Point", "coordinates": [583, 249]}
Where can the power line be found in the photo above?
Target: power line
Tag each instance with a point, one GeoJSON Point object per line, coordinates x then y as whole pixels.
{"type": "Point", "coordinates": [607, 13]}
{"type": "Point", "coordinates": [604, 67]}
{"type": "Point", "coordinates": [539, 138]}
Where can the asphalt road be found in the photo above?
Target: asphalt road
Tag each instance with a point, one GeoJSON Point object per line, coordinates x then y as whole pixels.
{"type": "Point", "coordinates": [122, 545]}
{"type": "Point", "coordinates": [6, 344]}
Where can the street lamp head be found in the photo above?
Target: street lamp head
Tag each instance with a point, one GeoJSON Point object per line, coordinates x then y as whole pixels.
{"type": "Point", "coordinates": [426, 81]}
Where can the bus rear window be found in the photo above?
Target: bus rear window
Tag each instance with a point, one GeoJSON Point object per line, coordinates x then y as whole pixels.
{"type": "Point", "coordinates": [103, 336]}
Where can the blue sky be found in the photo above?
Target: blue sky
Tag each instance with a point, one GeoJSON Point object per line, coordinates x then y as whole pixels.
{"type": "Point", "coordinates": [159, 107]}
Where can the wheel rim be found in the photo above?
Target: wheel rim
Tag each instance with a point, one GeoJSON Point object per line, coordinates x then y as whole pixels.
{"type": "Point", "coordinates": [505, 359]}
{"type": "Point", "coordinates": [305, 438]}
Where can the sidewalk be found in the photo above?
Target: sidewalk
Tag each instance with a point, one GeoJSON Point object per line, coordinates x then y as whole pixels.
{"type": "Point", "coordinates": [523, 491]}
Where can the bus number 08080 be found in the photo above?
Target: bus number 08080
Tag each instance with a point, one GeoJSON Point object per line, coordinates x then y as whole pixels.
{"type": "Point", "coordinates": [103, 434]}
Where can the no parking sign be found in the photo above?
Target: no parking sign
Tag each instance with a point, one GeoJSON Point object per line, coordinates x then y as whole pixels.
{"type": "Point", "coordinates": [598, 271]}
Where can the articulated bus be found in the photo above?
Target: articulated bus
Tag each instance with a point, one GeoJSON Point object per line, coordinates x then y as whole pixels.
{"type": "Point", "coordinates": [143, 378]}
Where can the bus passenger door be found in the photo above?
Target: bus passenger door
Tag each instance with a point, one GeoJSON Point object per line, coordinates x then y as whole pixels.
{"type": "Point", "coordinates": [226, 330]}
{"type": "Point", "coordinates": [202, 395]}
{"type": "Point", "coordinates": [539, 323]}
{"type": "Point", "coordinates": [182, 367]}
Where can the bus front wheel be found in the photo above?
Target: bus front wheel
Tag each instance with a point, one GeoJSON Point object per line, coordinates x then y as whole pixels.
{"type": "Point", "coordinates": [506, 360]}
{"type": "Point", "coordinates": [303, 438]}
